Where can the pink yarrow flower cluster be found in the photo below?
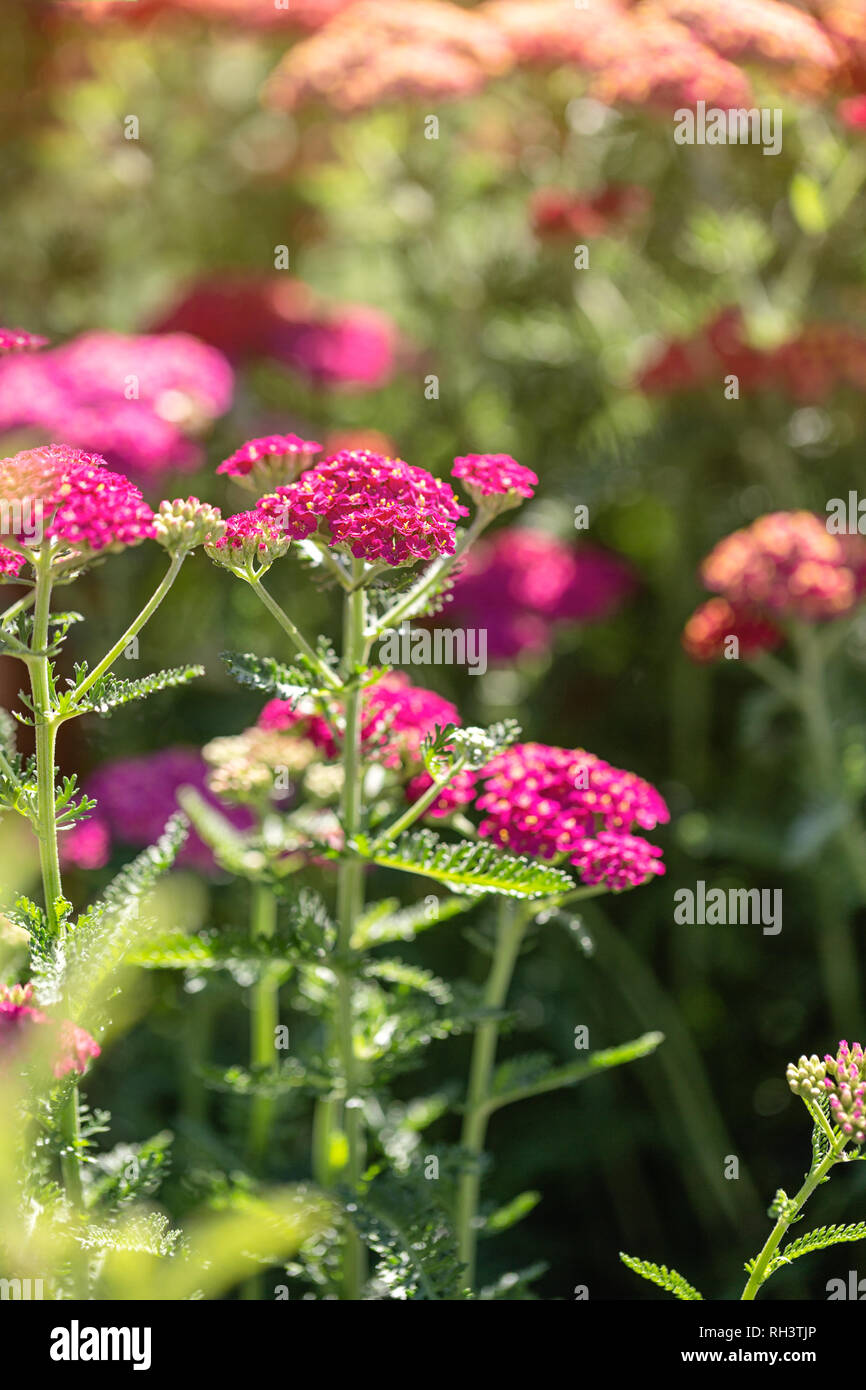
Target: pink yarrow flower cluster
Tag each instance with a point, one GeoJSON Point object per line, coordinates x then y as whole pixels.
{"type": "Point", "coordinates": [77, 501]}
{"type": "Point", "coordinates": [557, 802]}
{"type": "Point", "coordinates": [383, 510]}
{"type": "Point", "coordinates": [495, 481]}
{"type": "Point", "coordinates": [18, 1018]}
{"type": "Point", "coordinates": [276, 460]}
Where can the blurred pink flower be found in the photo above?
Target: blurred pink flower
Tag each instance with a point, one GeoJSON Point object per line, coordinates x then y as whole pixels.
{"type": "Point", "coordinates": [135, 797]}
{"type": "Point", "coordinates": [250, 316]}
{"type": "Point", "coordinates": [711, 625]}
{"type": "Point", "coordinates": [558, 212]}
{"type": "Point", "coordinates": [136, 400]}
{"type": "Point", "coordinates": [522, 583]}
{"type": "Point", "coordinates": [18, 1018]}
{"type": "Point", "coordinates": [16, 340]}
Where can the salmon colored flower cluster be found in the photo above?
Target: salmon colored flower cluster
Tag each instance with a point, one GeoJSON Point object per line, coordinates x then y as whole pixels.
{"type": "Point", "coordinates": [385, 50]}
{"type": "Point", "coordinates": [787, 565]}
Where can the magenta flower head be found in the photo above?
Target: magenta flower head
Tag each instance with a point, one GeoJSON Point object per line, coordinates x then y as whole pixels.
{"type": "Point", "coordinates": [247, 543]}
{"type": "Point", "coordinates": [495, 482]}
{"type": "Point", "coordinates": [787, 565]}
{"type": "Point", "coordinates": [16, 340]}
{"type": "Point", "coordinates": [277, 460]}
{"type": "Point", "coordinates": [70, 501]}
{"type": "Point", "coordinates": [381, 510]}
{"type": "Point", "coordinates": [555, 803]}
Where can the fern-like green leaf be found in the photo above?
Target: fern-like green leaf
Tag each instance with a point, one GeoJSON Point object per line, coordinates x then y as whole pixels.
{"type": "Point", "coordinates": [472, 868]}
{"type": "Point", "coordinates": [531, 1075]}
{"type": "Point", "coordinates": [272, 677]}
{"type": "Point", "coordinates": [667, 1279]}
{"type": "Point", "coordinates": [386, 921]}
{"type": "Point", "coordinates": [110, 691]}
{"type": "Point", "coordinates": [818, 1239]}
{"type": "Point", "coordinates": [412, 1237]}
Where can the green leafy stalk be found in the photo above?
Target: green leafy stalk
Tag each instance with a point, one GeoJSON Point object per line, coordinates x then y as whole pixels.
{"type": "Point", "coordinates": [134, 628]}
{"type": "Point", "coordinates": [791, 1208]}
{"type": "Point", "coordinates": [264, 1017]}
{"type": "Point", "coordinates": [510, 930]}
{"type": "Point", "coordinates": [39, 670]}
{"type": "Point", "coordinates": [350, 905]}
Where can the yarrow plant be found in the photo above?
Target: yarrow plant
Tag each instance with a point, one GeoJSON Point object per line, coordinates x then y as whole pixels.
{"type": "Point", "coordinates": [64, 510]}
{"type": "Point", "coordinates": [832, 1091]}
{"type": "Point", "coordinates": [786, 582]}
{"type": "Point", "coordinates": [350, 767]}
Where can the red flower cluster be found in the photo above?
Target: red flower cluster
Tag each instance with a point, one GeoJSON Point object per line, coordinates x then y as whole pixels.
{"type": "Point", "coordinates": [81, 502]}
{"type": "Point", "coordinates": [708, 629]}
{"type": "Point", "coordinates": [556, 212]}
{"type": "Point", "coordinates": [821, 358]}
{"type": "Point", "coordinates": [386, 50]}
{"type": "Point", "coordinates": [383, 510]}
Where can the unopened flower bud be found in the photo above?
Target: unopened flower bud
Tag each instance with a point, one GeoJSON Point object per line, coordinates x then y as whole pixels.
{"type": "Point", "coordinates": [806, 1077]}
{"type": "Point", "coordinates": [183, 525]}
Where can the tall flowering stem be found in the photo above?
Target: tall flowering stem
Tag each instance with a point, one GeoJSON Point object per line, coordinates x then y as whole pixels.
{"type": "Point", "coordinates": [264, 1017]}
{"type": "Point", "coordinates": [350, 901]}
{"type": "Point", "coordinates": [510, 929]}
{"type": "Point", "coordinates": [39, 670]}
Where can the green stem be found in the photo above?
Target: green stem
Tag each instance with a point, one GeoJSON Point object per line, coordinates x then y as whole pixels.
{"type": "Point", "coordinates": [835, 940]}
{"type": "Point", "coordinates": [350, 900]}
{"type": "Point", "coordinates": [289, 628]}
{"type": "Point", "coordinates": [817, 1174]}
{"type": "Point", "coordinates": [264, 1017]}
{"type": "Point", "coordinates": [46, 828]}
{"type": "Point", "coordinates": [417, 809]}
{"type": "Point", "coordinates": [509, 936]}
{"type": "Point", "coordinates": [134, 628]}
